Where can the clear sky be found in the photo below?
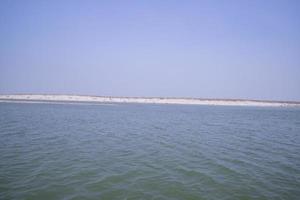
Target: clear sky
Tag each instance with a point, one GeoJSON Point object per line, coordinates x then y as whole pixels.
{"type": "Point", "coordinates": [207, 49]}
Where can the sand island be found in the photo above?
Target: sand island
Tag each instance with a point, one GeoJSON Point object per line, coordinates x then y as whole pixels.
{"type": "Point", "coordinates": [151, 100]}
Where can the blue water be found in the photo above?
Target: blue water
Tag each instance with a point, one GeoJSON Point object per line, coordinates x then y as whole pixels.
{"type": "Point", "coordinates": [136, 151]}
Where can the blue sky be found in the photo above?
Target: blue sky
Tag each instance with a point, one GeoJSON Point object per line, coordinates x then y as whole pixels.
{"type": "Point", "coordinates": [206, 49]}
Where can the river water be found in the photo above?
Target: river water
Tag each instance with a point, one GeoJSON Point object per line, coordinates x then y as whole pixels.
{"type": "Point", "coordinates": [140, 151]}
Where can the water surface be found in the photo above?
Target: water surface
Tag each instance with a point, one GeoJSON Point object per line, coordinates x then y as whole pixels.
{"type": "Point", "coordinates": [136, 151]}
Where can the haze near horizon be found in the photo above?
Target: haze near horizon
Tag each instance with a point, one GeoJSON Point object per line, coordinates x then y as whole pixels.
{"type": "Point", "coordinates": [204, 49]}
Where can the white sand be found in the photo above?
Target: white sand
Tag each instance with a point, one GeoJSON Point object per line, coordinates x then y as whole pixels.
{"type": "Point", "coordinates": [154, 100]}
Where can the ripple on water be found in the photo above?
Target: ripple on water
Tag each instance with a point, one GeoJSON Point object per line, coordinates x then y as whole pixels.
{"type": "Point", "coordinates": [133, 151]}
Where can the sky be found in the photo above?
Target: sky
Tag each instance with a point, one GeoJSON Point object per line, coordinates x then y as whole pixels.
{"type": "Point", "coordinates": [208, 49]}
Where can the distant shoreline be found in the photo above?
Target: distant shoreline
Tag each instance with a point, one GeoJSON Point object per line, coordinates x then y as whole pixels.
{"type": "Point", "coordinates": [148, 100]}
